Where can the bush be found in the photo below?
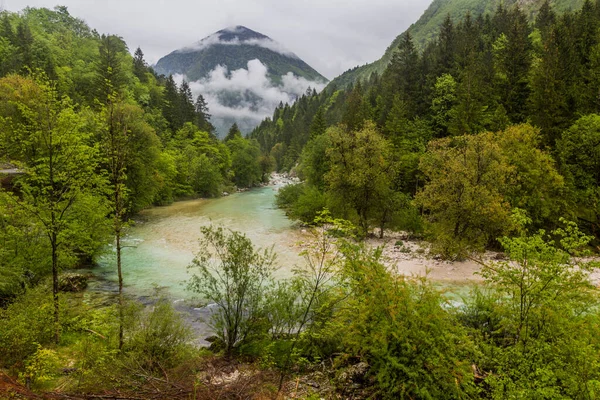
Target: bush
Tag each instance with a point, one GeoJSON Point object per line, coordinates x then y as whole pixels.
{"type": "Point", "coordinates": [403, 330]}
{"type": "Point", "coordinates": [233, 274]}
{"type": "Point", "coordinates": [288, 196]}
{"type": "Point", "coordinates": [538, 323]}
{"type": "Point", "coordinates": [301, 201]}
{"type": "Point", "coordinates": [40, 367]}
{"type": "Point", "coordinates": [158, 337]}
{"type": "Point", "coordinates": [25, 325]}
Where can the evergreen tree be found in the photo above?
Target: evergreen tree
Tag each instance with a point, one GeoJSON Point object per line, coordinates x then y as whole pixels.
{"type": "Point", "coordinates": [6, 29]}
{"type": "Point", "coordinates": [24, 41]}
{"type": "Point", "coordinates": [202, 114]}
{"type": "Point", "coordinates": [186, 107]}
{"type": "Point", "coordinates": [512, 59]}
{"type": "Point", "coordinates": [357, 110]}
{"type": "Point", "coordinates": [140, 68]}
{"type": "Point", "coordinates": [171, 103]}
{"type": "Point", "coordinates": [234, 132]}
{"type": "Point", "coordinates": [318, 125]}
{"type": "Point", "coordinates": [446, 46]}
{"type": "Point", "coordinates": [110, 74]}
{"type": "Point", "coordinates": [545, 18]}
{"type": "Point", "coordinates": [403, 76]}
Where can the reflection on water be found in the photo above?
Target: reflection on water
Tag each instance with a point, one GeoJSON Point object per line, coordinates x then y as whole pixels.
{"type": "Point", "coordinates": [163, 243]}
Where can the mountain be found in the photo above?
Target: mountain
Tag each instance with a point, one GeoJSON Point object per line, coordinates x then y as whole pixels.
{"type": "Point", "coordinates": [242, 74]}
{"type": "Point", "coordinates": [234, 47]}
{"type": "Point", "coordinates": [427, 27]}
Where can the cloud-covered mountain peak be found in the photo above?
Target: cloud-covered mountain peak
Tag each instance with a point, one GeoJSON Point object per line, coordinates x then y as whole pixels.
{"type": "Point", "coordinates": [238, 35]}
{"type": "Point", "coordinates": [242, 74]}
{"type": "Point", "coordinates": [239, 32]}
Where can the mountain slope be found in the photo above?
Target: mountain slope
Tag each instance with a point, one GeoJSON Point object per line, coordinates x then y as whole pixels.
{"type": "Point", "coordinates": [427, 27]}
{"type": "Point", "coordinates": [242, 74]}
{"type": "Point", "coordinates": [234, 47]}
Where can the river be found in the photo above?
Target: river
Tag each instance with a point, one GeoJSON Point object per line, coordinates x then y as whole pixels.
{"type": "Point", "coordinates": [162, 242]}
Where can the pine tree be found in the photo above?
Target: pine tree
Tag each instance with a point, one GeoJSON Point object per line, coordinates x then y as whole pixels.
{"type": "Point", "coordinates": [6, 29]}
{"type": "Point", "coordinates": [140, 68]}
{"type": "Point", "coordinates": [446, 46]}
{"type": "Point", "coordinates": [24, 41]}
{"type": "Point", "coordinates": [186, 107]}
{"type": "Point", "coordinates": [404, 75]}
{"type": "Point", "coordinates": [234, 132]}
{"type": "Point", "coordinates": [545, 19]}
{"type": "Point", "coordinates": [512, 56]}
{"type": "Point", "coordinates": [318, 125]}
{"type": "Point", "coordinates": [548, 99]}
{"type": "Point", "coordinates": [203, 115]}
{"type": "Point", "coordinates": [357, 110]}
{"type": "Point", "coordinates": [171, 103]}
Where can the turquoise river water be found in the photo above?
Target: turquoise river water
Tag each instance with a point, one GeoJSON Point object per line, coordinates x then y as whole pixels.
{"type": "Point", "coordinates": [163, 241]}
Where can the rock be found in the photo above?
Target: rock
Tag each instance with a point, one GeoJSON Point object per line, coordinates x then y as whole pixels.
{"type": "Point", "coordinates": [311, 383]}
{"type": "Point", "coordinates": [73, 282]}
{"type": "Point", "coordinates": [357, 372]}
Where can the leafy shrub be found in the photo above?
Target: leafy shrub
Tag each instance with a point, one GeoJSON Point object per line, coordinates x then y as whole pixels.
{"type": "Point", "coordinates": [403, 330]}
{"type": "Point", "coordinates": [538, 323]}
{"type": "Point", "coordinates": [158, 337]}
{"type": "Point", "coordinates": [302, 202]}
{"type": "Point", "coordinates": [40, 367]}
{"type": "Point", "coordinates": [25, 325]}
{"type": "Point", "coordinates": [233, 274]}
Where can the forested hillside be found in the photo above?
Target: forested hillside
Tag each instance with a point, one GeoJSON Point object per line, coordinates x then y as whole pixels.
{"type": "Point", "coordinates": [426, 29]}
{"type": "Point", "coordinates": [487, 138]}
{"type": "Point", "coordinates": [96, 130]}
{"type": "Point", "coordinates": [409, 148]}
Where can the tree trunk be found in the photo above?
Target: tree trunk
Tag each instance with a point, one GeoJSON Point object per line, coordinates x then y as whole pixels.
{"type": "Point", "coordinates": [382, 224]}
{"type": "Point", "coordinates": [54, 245]}
{"type": "Point", "coordinates": [121, 315]}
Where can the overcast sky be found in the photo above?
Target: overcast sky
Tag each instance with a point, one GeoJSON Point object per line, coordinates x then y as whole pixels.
{"type": "Point", "coordinates": [330, 35]}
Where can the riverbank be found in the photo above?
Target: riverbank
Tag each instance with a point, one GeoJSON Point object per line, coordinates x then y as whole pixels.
{"type": "Point", "coordinates": [412, 258]}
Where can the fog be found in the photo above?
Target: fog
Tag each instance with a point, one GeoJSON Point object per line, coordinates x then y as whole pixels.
{"type": "Point", "coordinates": [246, 96]}
{"type": "Point", "coordinates": [215, 39]}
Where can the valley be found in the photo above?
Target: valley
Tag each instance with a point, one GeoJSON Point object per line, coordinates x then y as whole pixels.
{"type": "Point", "coordinates": [223, 222]}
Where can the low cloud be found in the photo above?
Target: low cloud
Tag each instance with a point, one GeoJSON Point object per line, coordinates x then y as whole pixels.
{"type": "Point", "coordinates": [247, 96]}
{"type": "Point", "coordinates": [215, 39]}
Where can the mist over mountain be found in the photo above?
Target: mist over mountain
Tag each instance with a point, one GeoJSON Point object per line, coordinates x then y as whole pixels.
{"type": "Point", "coordinates": [242, 74]}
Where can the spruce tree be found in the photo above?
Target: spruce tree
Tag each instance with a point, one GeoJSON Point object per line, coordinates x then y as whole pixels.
{"type": "Point", "coordinates": [318, 125]}
{"type": "Point", "coordinates": [139, 65]}
{"type": "Point", "coordinates": [234, 132]}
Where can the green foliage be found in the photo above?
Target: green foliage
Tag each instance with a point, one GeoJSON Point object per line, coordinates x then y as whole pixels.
{"type": "Point", "coordinates": [360, 171]}
{"type": "Point", "coordinates": [314, 163]}
{"type": "Point", "coordinates": [232, 274]}
{"type": "Point", "coordinates": [40, 368]}
{"type": "Point", "coordinates": [401, 328]}
{"type": "Point", "coordinates": [301, 201]}
{"type": "Point", "coordinates": [158, 337]}
{"type": "Point", "coordinates": [475, 181]}
{"type": "Point", "coordinates": [245, 154]}
{"type": "Point", "coordinates": [537, 301]}
{"type": "Point", "coordinates": [579, 153]}
{"type": "Point", "coordinates": [25, 324]}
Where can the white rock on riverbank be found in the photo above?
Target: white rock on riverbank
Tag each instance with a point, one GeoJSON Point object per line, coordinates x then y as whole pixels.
{"type": "Point", "coordinates": [282, 179]}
